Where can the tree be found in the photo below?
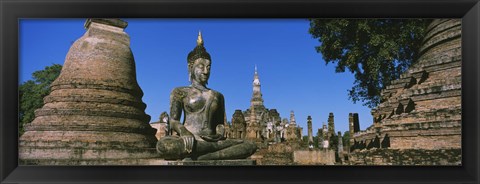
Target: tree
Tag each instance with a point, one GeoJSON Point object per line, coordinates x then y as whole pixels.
{"type": "Point", "coordinates": [346, 138]}
{"type": "Point", "coordinates": [33, 91]}
{"type": "Point", "coordinates": [376, 51]}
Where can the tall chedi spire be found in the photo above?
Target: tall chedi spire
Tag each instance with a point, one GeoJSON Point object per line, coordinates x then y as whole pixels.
{"type": "Point", "coordinates": [257, 99]}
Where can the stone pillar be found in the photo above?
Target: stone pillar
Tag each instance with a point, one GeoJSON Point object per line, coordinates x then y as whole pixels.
{"type": "Point", "coordinates": [94, 113]}
{"type": "Point", "coordinates": [331, 126]}
{"type": "Point", "coordinates": [340, 142]}
{"type": "Point", "coordinates": [320, 138]}
{"type": "Point", "coordinates": [310, 136]}
{"type": "Point", "coordinates": [350, 124]}
{"type": "Point", "coordinates": [340, 147]}
{"type": "Point", "coordinates": [326, 142]}
{"type": "Point", "coordinates": [356, 123]}
{"type": "Point", "coordinates": [354, 126]}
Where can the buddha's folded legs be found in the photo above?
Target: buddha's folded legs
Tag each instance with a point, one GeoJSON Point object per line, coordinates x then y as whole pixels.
{"type": "Point", "coordinates": [238, 151]}
{"type": "Point", "coordinates": [172, 147]}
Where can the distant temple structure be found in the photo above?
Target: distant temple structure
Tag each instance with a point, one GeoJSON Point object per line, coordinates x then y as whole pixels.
{"type": "Point", "coordinates": [292, 131]}
{"type": "Point", "coordinates": [261, 124]}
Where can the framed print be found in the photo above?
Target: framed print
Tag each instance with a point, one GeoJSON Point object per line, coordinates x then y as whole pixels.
{"type": "Point", "coordinates": [271, 91]}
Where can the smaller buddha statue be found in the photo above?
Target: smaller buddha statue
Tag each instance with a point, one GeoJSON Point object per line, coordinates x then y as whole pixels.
{"type": "Point", "coordinates": [201, 135]}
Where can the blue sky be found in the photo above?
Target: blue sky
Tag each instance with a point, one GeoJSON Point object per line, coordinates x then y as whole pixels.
{"type": "Point", "coordinates": [293, 75]}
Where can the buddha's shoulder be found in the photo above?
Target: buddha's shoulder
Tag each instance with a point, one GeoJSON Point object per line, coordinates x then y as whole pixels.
{"type": "Point", "coordinates": [180, 92]}
{"type": "Point", "coordinates": [217, 94]}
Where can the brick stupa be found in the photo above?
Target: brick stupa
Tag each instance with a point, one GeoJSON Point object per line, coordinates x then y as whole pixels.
{"type": "Point", "coordinates": [94, 113]}
{"type": "Point", "coordinates": [421, 112]}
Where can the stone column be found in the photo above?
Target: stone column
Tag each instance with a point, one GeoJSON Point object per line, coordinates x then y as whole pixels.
{"type": "Point", "coordinates": [320, 138]}
{"type": "Point", "coordinates": [354, 126]}
{"type": "Point", "coordinates": [350, 124]}
{"type": "Point", "coordinates": [356, 123]}
{"type": "Point", "coordinates": [310, 136]}
{"type": "Point", "coordinates": [94, 113]}
{"type": "Point", "coordinates": [331, 126]}
{"type": "Point", "coordinates": [340, 142]}
{"type": "Point", "coordinates": [340, 147]}
{"type": "Point", "coordinates": [326, 142]}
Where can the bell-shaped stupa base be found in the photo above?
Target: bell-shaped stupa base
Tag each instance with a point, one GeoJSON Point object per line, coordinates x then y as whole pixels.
{"type": "Point", "coordinates": [94, 113]}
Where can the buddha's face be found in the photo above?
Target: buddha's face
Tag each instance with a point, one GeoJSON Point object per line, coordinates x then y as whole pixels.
{"type": "Point", "coordinates": [200, 71]}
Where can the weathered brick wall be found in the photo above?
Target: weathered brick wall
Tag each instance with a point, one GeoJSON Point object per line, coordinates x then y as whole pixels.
{"type": "Point", "coordinates": [422, 109]}
{"type": "Point", "coordinates": [276, 154]}
{"type": "Point", "coordinates": [406, 157]}
{"type": "Point", "coordinates": [314, 157]}
{"type": "Point", "coordinates": [425, 142]}
{"type": "Point", "coordinates": [94, 113]}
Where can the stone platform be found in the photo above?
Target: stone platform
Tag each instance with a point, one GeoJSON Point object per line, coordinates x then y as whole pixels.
{"type": "Point", "coordinates": [138, 162]}
{"type": "Point", "coordinates": [240, 162]}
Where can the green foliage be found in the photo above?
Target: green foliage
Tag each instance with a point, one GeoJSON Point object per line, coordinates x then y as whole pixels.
{"type": "Point", "coordinates": [346, 138]}
{"type": "Point", "coordinates": [333, 142]}
{"type": "Point", "coordinates": [33, 91]}
{"type": "Point", "coordinates": [376, 51]}
{"type": "Point", "coordinates": [305, 141]}
{"type": "Point", "coordinates": [315, 141]}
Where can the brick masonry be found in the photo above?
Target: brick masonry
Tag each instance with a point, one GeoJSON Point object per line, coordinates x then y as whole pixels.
{"type": "Point", "coordinates": [94, 113]}
{"type": "Point", "coordinates": [407, 157]}
{"type": "Point", "coordinates": [314, 157]}
{"type": "Point", "coordinates": [420, 113]}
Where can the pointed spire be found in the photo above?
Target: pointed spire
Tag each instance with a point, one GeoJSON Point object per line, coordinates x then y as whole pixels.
{"type": "Point", "coordinates": [199, 39]}
{"type": "Point", "coordinates": [256, 80]}
{"type": "Point", "coordinates": [257, 94]}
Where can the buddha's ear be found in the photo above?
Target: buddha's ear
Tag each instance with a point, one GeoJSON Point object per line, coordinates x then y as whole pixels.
{"type": "Point", "coordinates": [190, 65]}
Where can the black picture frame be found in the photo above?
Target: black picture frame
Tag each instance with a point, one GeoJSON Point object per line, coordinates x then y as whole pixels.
{"type": "Point", "coordinates": [12, 11]}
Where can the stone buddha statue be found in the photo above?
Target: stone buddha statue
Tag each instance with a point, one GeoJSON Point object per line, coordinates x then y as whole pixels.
{"type": "Point", "coordinates": [201, 134]}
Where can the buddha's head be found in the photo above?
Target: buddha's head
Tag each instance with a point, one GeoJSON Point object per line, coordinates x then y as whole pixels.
{"type": "Point", "coordinates": [199, 63]}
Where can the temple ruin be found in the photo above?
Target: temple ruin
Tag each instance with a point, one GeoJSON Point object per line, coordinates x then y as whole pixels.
{"type": "Point", "coordinates": [422, 109]}
{"type": "Point", "coordinates": [263, 124]}
{"type": "Point", "coordinates": [94, 113]}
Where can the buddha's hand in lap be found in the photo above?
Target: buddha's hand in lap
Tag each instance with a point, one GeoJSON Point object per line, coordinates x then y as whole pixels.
{"type": "Point", "coordinates": [188, 140]}
{"type": "Point", "coordinates": [220, 129]}
{"type": "Point", "coordinates": [213, 138]}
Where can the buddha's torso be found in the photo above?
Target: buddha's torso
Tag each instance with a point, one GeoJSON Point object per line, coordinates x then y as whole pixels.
{"type": "Point", "coordinates": [199, 107]}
